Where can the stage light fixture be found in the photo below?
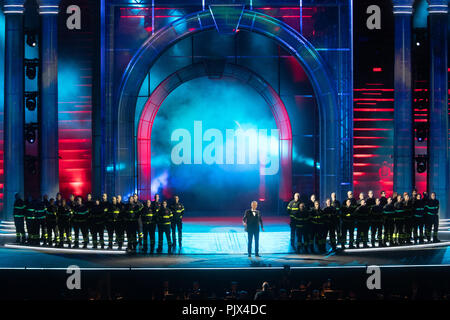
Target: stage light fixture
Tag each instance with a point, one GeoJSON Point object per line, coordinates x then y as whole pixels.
{"type": "Point", "coordinates": [30, 68]}
{"type": "Point", "coordinates": [30, 132]}
{"type": "Point", "coordinates": [31, 39]}
{"type": "Point", "coordinates": [30, 136]}
{"type": "Point", "coordinates": [421, 163]}
{"type": "Point", "coordinates": [421, 132]}
{"type": "Point", "coordinates": [31, 72]}
{"type": "Point", "coordinates": [30, 100]}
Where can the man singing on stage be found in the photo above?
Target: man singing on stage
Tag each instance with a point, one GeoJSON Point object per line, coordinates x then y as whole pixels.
{"type": "Point", "coordinates": [252, 220]}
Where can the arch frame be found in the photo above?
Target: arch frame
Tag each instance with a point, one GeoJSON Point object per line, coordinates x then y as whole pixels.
{"type": "Point", "coordinates": [149, 111]}
{"type": "Point", "coordinates": [123, 155]}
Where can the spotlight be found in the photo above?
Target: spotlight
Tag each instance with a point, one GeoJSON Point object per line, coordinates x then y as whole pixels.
{"type": "Point", "coordinates": [30, 132]}
{"type": "Point", "coordinates": [421, 162]}
{"type": "Point", "coordinates": [30, 136]}
{"type": "Point", "coordinates": [30, 68]}
{"type": "Point", "coordinates": [31, 39]}
{"type": "Point", "coordinates": [420, 38]}
{"type": "Point", "coordinates": [30, 101]}
{"type": "Point", "coordinates": [421, 132]}
{"type": "Point", "coordinates": [31, 72]}
{"type": "Point", "coordinates": [31, 104]}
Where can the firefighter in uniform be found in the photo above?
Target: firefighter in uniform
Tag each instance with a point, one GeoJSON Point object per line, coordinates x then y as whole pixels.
{"type": "Point", "coordinates": [413, 196]}
{"type": "Point", "coordinates": [164, 222]}
{"type": "Point", "coordinates": [319, 229]}
{"type": "Point", "coordinates": [45, 200]}
{"type": "Point", "coordinates": [337, 205]}
{"type": "Point", "coordinates": [177, 221]}
{"type": "Point", "coordinates": [58, 199]}
{"type": "Point", "coordinates": [361, 198]}
{"type": "Point", "coordinates": [348, 224]}
{"type": "Point", "coordinates": [112, 212]}
{"type": "Point", "coordinates": [292, 209]}
{"type": "Point", "coordinates": [131, 219]}
{"type": "Point", "coordinates": [370, 201]}
{"type": "Point", "coordinates": [71, 203]}
{"type": "Point", "coordinates": [394, 198]}
{"type": "Point", "coordinates": [97, 217]}
{"type": "Point", "coordinates": [376, 223]}
{"type": "Point", "coordinates": [331, 219]}
{"type": "Point", "coordinates": [104, 201]}
{"type": "Point", "coordinates": [362, 223]}
{"type": "Point", "coordinates": [19, 218]}
{"type": "Point", "coordinates": [40, 212]}
{"type": "Point", "coordinates": [432, 218]}
{"type": "Point", "coordinates": [139, 206]}
{"type": "Point", "coordinates": [90, 203]}
{"type": "Point", "coordinates": [51, 212]}
{"type": "Point", "coordinates": [80, 222]}
{"type": "Point", "coordinates": [388, 221]}
{"type": "Point", "coordinates": [418, 223]}
{"type": "Point", "coordinates": [399, 221]}
{"type": "Point", "coordinates": [104, 204]}
{"type": "Point", "coordinates": [301, 228]}
{"type": "Point", "coordinates": [119, 222]}
{"type": "Point", "coordinates": [64, 215]}
{"type": "Point", "coordinates": [31, 222]}
{"type": "Point", "coordinates": [408, 206]}
{"type": "Point", "coordinates": [352, 199]}
{"type": "Point", "coordinates": [148, 226]}
{"type": "Point", "coordinates": [156, 206]}
{"type": "Point", "coordinates": [310, 203]}
{"type": "Point", "coordinates": [383, 199]}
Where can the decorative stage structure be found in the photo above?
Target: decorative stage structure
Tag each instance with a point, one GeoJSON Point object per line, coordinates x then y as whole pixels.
{"type": "Point", "coordinates": [226, 19]}
{"type": "Point", "coordinates": [151, 107]}
{"type": "Point", "coordinates": [333, 102]}
{"type": "Point", "coordinates": [101, 86]}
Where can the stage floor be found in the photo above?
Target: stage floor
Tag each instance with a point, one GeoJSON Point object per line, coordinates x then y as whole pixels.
{"type": "Point", "coordinates": [222, 243]}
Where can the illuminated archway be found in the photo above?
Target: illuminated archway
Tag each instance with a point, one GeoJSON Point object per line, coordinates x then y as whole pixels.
{"type": "Point", "coordinates": [198, 70]}
{"type": "Point", "coordinates": [136, 71]}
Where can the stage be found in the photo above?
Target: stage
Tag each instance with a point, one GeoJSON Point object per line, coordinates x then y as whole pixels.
{"type": "Point", "coordinates": [221, 243]}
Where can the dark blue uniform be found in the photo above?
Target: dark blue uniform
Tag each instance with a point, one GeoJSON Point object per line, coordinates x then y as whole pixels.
{"type": "Point", "coordinates": [51, 233]}
{"type": "Point", "coordinates": [292, 209]}
{"type": "Point", "coordinates": [419, 220]}
{"type": "Point", "coordinates": [302, 230]}
{"type": "Point", "coordinates": [164, 218]}
{"type": "Point", "coordinates": [80, 223]}
{"type": "Point", "coordinates": [432, 219]}
{"type": "Point", "coordinates": [347, 225]}
{"type": "Point", "coordinates": [19, 220]}
{"type": "Point", "coordinates": [64, 216]}
{"type": "Point", "coordinates": [177, 222]}
{"type": "Point", "coordinates": [148, 218]}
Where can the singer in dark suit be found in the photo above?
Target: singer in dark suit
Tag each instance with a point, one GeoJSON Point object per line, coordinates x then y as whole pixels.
{"type": "Point", "coordinates": [252, 221]}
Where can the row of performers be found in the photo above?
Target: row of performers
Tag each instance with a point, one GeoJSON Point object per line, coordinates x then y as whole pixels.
{"type": "Point", "coordinates": [51, 222]}
{"type": "Point", "coordinates": [392, 221]}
